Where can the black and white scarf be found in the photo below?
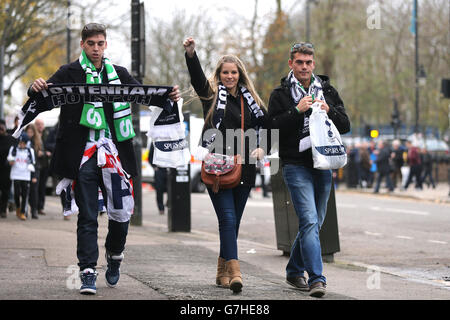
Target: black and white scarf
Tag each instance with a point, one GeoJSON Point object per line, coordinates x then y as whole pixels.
{"type": "Point", "coordinates": [298, 92]}
{"type": "Point", "coordinates": [219, 113]}
{"type": "Point", "coordinates": [64, 95]}
{"type": "Point", "coordinates": [168, 134]}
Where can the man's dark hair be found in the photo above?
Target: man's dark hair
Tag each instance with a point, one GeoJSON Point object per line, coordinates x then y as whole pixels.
{"type": "Point", "coordinates": [302, 47]}
{"type": "Point", "coordinates": [92, 29]}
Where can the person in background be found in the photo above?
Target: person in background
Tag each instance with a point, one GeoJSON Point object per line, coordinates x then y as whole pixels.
{"type": "Point", "coordinates": [427, 166]}
{"type": "Point", "coordinates": [397, 162]}
{"type": "Point", "coordinates": [6, 141]}
{"type": "Point", "coordinates": [160, 181]}
{"type": "Point", "coordinates": [43, 158]}
{"type": "Point", "coordinates": [383, 167]}
{"type": "Point", "coordinates": [365, 165]}
{"type": "Point", "coordinates": [11, 202]}
{"type": "Point", "coordinates": [36, 144]}
{"type": "Point", "coordinates": [16, 124]}
{"type": "Point", "coordinates": [21, 158]}
{"type": "Point", "coordinates": [415, 166]}
{"type": "Point", "coordinates": [373, 162]}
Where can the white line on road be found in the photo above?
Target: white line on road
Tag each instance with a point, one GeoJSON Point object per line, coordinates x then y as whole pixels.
{"type": "Point", "coordinates": [344, 205]}
{"type": "Point", "coordinates": [404, 237]}
{"type": "Point", "coordinates": [373, 233]}
{"type": "Point", "coordinates": [437, 241]}
{"type": "Point", "coordinates": [407, 211]}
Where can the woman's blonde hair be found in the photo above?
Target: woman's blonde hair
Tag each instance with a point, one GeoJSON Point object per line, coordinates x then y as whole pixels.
{"type": "Point", "coordinates": [244, 81]}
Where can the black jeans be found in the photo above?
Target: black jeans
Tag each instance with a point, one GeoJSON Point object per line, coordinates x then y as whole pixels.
{"type": "Point", "coordinates": [160, 186]}
{"type": "Point", "coordinates": [21, 189]}
{"type": "Point", "coordinates": [5, 188]}
{"type": "Point", "coordinates": [43, 177]}
{"type": "Point", "coordinates": [33, 199]}
{"type": "Point", "coordinates": [86, 196]}
{"type": "Point", "coordinates": [415, 171]}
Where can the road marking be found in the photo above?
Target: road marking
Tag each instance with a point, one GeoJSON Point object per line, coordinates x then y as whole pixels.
{"type": "Point", "coordinates": [437, 241]}
{"type": "Point", "coordinates": [344, 205]}
{"type": "Point", "coordinates": [407, 211]}
{"type": "Point", "coordinates": [404, 237]}
{"type": "Point", "coordinates": [373, 233]}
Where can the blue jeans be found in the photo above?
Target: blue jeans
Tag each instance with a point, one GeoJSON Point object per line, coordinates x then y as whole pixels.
{"type": "Point", "coordinates": [309, 189]}
{"type": "Point", "coordinates": [229, 205]}
{"type": "Point", "coordinates": [86, 196]}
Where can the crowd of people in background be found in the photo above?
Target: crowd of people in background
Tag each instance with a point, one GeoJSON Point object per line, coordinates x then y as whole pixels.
{"type": "Point", "coordinates": [24, 168]}
{"type": "Point", "coordinates": [398, 165]}
{"type": "Point", "coordinates": [370, 163]}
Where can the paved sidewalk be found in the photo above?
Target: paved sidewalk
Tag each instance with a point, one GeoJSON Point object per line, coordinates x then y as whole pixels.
{"type": "Point", "coordinates": [38, 261]}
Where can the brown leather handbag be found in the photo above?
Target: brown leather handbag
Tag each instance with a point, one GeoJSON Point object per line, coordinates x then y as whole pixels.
{"type": "Point", "coordinates": [221, 171]}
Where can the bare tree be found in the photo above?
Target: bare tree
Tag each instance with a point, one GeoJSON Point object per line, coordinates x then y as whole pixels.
{"type": "Point", "coordinates": [165, 55]}
{"type": "Point", "coordinates": [25, 26]}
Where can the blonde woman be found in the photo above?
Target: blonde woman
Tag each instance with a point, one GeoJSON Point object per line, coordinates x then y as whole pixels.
{"type": "Point", "coordinates": [221, 98]}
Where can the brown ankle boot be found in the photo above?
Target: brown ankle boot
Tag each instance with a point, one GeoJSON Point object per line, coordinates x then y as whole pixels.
{"type": "Point", "coordinates": [18, 212]}
{"type": "Point", "coordinates": [234, 271]}
{"type": "Point", "coordinates": [222, 278]}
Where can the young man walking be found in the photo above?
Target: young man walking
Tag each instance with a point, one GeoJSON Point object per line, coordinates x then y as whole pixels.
{"type": "Point", "coordinates": [79, 142]}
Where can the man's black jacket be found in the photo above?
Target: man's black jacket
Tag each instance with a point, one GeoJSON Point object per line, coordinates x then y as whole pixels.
{"type": "Point", "coordinates": [284, 117]}
{"type": "Point", "coordinates": [71, 137]}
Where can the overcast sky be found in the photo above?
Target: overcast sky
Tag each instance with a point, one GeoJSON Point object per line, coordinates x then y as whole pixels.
{"type": "Point", "coordinates": [164, 9]}
{"type": "Point", "coordinates": [118, 42]}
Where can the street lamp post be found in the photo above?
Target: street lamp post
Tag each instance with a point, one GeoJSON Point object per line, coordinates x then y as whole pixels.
{"type": "Point", "coordinates": [2, 72]}
{"type": "Point", "coordinates": [68, 31]}
{"type": "Point", "coordinates": [308, 2]}
{"type": "Point", "coordinates": [416, 45]}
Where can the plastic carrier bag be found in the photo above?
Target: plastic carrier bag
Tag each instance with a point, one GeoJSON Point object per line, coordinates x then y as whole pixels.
{"type": "Point", "coordinates": [328, 150]}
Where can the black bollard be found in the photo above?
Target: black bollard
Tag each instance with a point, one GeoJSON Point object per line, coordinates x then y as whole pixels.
{"type": "Point", "coordinates": [286, 221]}
{"type": "Point", "coordinates": [179, 194]}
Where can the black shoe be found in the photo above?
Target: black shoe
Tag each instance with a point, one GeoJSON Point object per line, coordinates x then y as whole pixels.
{"type": "Point", "coordinates": [112, 274]}
{"type": "Point", "coordinates": [298, 282]}
{"type": "Point", "coordinates": [317, 289]}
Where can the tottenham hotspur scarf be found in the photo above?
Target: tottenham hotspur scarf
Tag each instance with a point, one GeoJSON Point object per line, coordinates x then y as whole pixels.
{"type": "Point", "coordinates": [219, 113]}
{"type": "Point", "coordinates": [118, 186]}
{"type": "Point", "coordinates": [297, 93]}
{"type": "Point", "coordinates": [93, 115]}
